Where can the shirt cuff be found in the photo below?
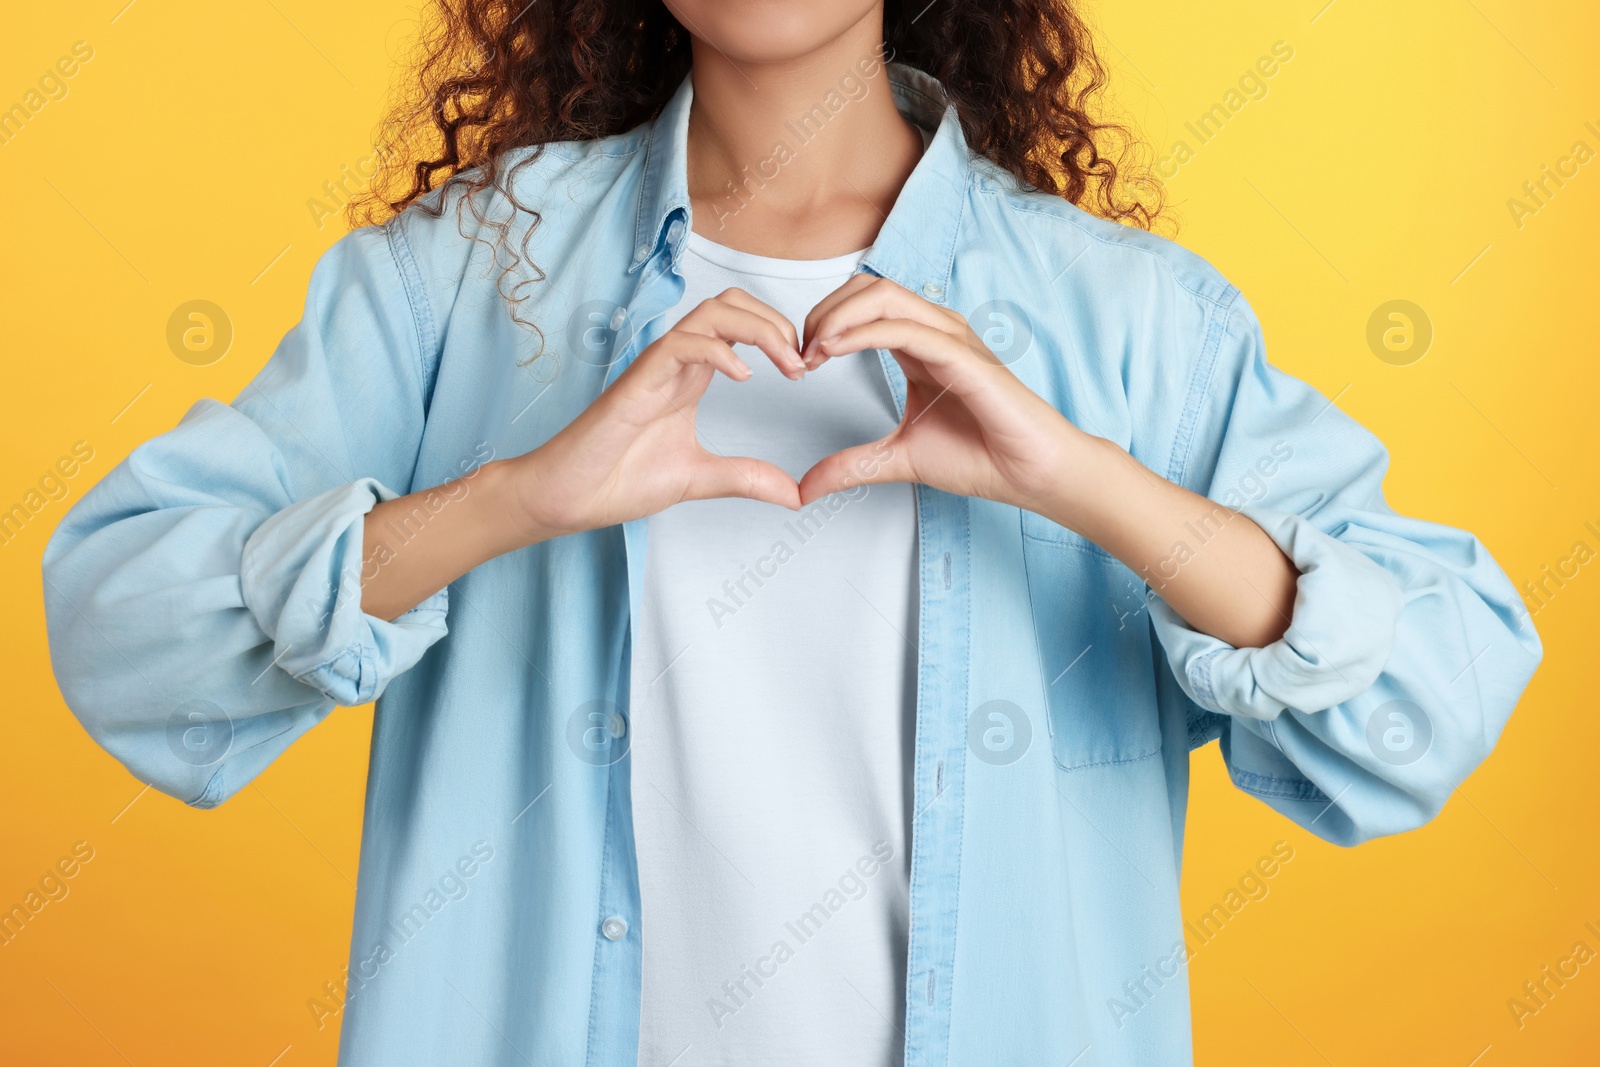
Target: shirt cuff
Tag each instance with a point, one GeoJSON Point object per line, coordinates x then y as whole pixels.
{"type": "Point", "coordinates": [1340, 636]}
{"type": "Point", "coordinates": [300, 575]}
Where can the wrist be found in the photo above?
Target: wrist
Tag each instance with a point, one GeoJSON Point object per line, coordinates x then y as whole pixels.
{"type": "Point", "coordinates": [1099, 485]}
{"type": "Point", "coordinates": [509, 500]}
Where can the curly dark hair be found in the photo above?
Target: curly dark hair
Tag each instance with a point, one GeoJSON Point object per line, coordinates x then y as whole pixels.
{"type": "Point", "coordinates": [495, 75]}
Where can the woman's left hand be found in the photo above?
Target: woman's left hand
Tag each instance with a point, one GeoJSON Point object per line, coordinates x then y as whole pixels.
{"type": "Point", "coordinates": [971, 427]}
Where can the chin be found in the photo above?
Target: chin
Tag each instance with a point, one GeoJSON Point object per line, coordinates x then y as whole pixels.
{"type": "Point", "coordinates": [770, 31]}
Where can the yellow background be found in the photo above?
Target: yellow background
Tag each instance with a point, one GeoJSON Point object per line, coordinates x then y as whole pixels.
{"type": "Point", "coordinates": [1377, 167]}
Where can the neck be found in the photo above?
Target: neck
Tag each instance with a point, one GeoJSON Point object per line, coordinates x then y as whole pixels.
{"type": "Point", "coordinates": [802, 157]}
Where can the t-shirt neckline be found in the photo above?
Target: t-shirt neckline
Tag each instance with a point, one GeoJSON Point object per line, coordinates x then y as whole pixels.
{"type": "Point", "coordinates": [733, 259]}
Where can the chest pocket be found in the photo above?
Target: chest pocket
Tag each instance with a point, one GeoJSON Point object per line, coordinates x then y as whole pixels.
{"type": "Point", "coordinates": [1095, 647]}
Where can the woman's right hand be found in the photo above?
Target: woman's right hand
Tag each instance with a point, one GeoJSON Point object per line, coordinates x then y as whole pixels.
{"type": "Point", "coordinates": [634, 452]}
{"type": "Point", "coordinates": [630, 454]}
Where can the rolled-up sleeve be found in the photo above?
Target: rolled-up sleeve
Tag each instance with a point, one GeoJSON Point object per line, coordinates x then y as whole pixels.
{"type": "Point", "coordinates": [204, 599]}
{"type": "Point", "coordinates": [1341, 633]}
{"type": "Point", "coordinates": [299, 574]}
{"type": "Point", "coordinates": [1408, 646]}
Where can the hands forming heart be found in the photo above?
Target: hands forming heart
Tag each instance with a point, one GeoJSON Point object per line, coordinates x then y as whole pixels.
{"type": "Point", "coordinates": [970, 426]}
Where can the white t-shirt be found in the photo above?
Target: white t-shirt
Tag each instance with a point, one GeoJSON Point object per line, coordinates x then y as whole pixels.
{"type": "Point", "coordinates": [773, 717]}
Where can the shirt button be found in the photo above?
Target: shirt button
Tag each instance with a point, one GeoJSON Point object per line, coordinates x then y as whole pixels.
{"type": "Point", "coordinates": [640, 253]}
{"type": "Point", "coordinates": [618, 317]}
{"type": "Point", "coordinates": [675, 230]}
{"type": "Point", "coordinates": [614, 928]}
{"type": "Point", "coordinates": [932, 290]}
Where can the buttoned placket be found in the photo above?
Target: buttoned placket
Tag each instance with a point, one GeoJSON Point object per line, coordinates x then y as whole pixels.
{"type": "Point", "coordinates": [618, 967]}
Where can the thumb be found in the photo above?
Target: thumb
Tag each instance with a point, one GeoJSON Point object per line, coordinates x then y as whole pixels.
{"type": "Point", "coordinates": [741, 476]}
{"type": "Point", "coordinates": [873, 463]}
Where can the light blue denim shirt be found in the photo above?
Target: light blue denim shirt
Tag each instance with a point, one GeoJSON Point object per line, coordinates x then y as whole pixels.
{"type": "Point", "coordinates": [204, 612]}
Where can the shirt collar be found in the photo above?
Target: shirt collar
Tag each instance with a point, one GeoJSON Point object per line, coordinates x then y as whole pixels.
{"type": "Point", "coordinates": [916, 244]}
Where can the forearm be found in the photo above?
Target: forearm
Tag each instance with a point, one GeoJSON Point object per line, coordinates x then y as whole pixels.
{"type": "Point", "coordinates": [1212, 565]}
{"type": "Point", "coordinates": [417, 544]}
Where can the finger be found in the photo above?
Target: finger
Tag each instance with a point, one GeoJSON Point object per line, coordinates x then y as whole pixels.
{"type": "Point", "coordinates": [732, 324]}
{"type": "Point", "coordinates": [938, 353]}
{"type": "Point", "coordinates": [663, 361]}
{"type": "Point", "coordinates": [873, 463]}
{"type": "Point", "coordinates": [879, 300]}
{"type": "Point", "coordinates": [727, 318]}
{"type": "Point", "coordinates": [945, 365]}
{"type": "Point", "coordinates": [741, 299]}
{"type": "Point", "coordinates": [744, 478]}
{"type": "Point", "coordinates": [853, 285]}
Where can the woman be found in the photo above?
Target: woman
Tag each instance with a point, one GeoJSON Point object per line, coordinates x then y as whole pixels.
{"type": "Point", "coordinates": [837, 575]}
